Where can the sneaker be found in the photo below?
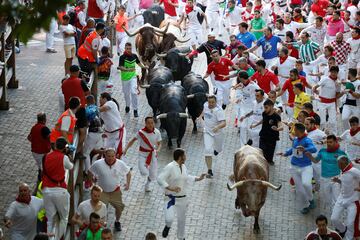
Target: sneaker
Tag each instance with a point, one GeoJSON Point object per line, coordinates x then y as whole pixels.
{"type": "Point", "coordinates": [147, 186]}
{"type": "Point", "coordinates": [249, 142]}
{"type": "Point", "coordinates": [118, 68]}
{"type": "Point", "coordinates": [215, 91]}
{"type": "Point", "coordinates": [312, 204]}
{"type": "Point", "coordinates": [223, 106]}
{"type": "Point", "coordinates": [215, 153]}
{"type": "Point", "coordinates": [305, 210]}
{"type": "Point", "coordinates": [49, 50]}
{"type": "Point", "coordinates": [165, 232]}
{"type": "Point", "coordinates": [127, 109]}
{"type": "Point", "coordinates": [210, 174]}
{"type": "Point", "coordinates": [117, 226]}
{"type": "Point", "coordinates": [342, 234]}
{"type": "Point", "coordinates": [271, 163]}
{"type": "Point", "coordinates": [136, 114]}
{"type": "Point", "coordinates": [292, 182]}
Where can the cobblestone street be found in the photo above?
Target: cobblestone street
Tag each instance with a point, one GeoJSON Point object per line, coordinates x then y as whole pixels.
{"type": "Point", "coordinates": [211, 213]}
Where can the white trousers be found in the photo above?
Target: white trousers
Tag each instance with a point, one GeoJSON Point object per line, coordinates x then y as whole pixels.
{"type": "Point", "coordinates": [270, 62]}
{"type": "Point", "coordinates": [150, 170]}
{"type": "Point", "coordinates": [121, 39]}
{"type": "Point", "coordinates": [212, 143]}
{"type": "Point", "coordinates": [302, 177]}
{"type": "Point", "coordinates": [50, 34]}
{"type": "Point", "coordinates": [349, 111]}
{"type": "Point", "coordinates": [112, 140]}
{"type": "Point", "coordinates": [223, 91]}
{"type": "Point", "coordinates": [254, 135]}
{"type": "Point", "coordinates": [311, 79]}
{"type": "Point", "coordinates": [214, 21]}
{"type": "Point", "coordinates": [317, 172]}
{"type": "Point", "coordinates": [195, 35]}
{"type": "Point", "coordinates": [180, 207]}
{"type": "Point", "coordinates": [56, 203]}
{"type": "Point", "coordinates": [330, 192]}
{"type": "Point", "coordinates": [92, 141]}
{"type": "Point", "coordinates": [105, 86]}
{"type": "Point", "coordinates": [130, 92]}
{"type": "Point", "coordinates": [38, 159]}
{"type": "Point", "coordinates": [330, 108]}
{"type": "Point", "coordinates": [343, 72]}
{"type": "Point", "coordinates": [244, 125]}
{"type": "Point", "coordinates": [337, 214]}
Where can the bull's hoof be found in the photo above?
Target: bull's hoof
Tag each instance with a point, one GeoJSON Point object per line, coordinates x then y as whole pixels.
{"type": "Point", "coordinates": [170, 147]}
{"type": "Point", "coordinates": [194, 131]}
{"type": "Point", "coordinates": [256, 230]}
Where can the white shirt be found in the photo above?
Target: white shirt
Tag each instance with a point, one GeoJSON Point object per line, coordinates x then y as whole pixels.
{"type": "Point", "coordinates": [258, 110]}
{"type": "Point", "coordinates": [281, 34]}
{"type": "Point", "coordinates": [284, 68]}
{"type": "Point", "coordinates": [213, 6]}
{"type": "Point", "coordinates": [294, 26]}
{"type": "Point", "coordinates": [349, 181]}
{"type": "Point", "coordinates": [153, 138]}
{"type": "Point", "coordinates": [104, 42]}
{"type": "Point", "coordinates": [316, 136]}
{"type": "Point", "coordinates": [172, 176]}
{"type": "Point", "coordinates": [24, 218]}
{"type": "Point", "coordinates": [109, 177]}
{"type": "Point", "coordinates": [85, 209]}
{"type": "Point", "coordinates": [193, 20]}
{"type": "Point", "coordinates": [355, 49]}
{"type": "Point", "coordinates": [102, 4]}
{"type": "Point", "coordinates": [316, 34]}
{"type": "Point", "coordinates": [66, 122]}
{"type": "Point", "coordinates": [352, 9]}
{"type": "Point", "coordinates": [111, 117]}
{"type": "Point", "coordinates": [82, 18]}
{"type": "Point", "coordinates": [70, 40]}
{"type": "Point", "coordinates": [235, 16]}
{"type": "Point", "coordinates": [212, 118]}
{"type": "Point", "coordinates": [252, 57]}
{"type": "Point", "coordinates": [319, 65]}
{"type": "Point", "coordinates": [246, 95]}
{"type": "Point", "coordinates": [328, 87]}
{"type": "Point", "coordinates": [352, 150]}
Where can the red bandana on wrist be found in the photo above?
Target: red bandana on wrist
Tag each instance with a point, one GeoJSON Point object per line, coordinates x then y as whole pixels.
{"type": "Point", "coordinates": [347, 168]}
{"type": "Point", "coordinates": [334, 149]}
{"type": "Point", "coordinates": [24, 199]}
{"type": "Point", "coordinates": [188, 9]}
{"type": "Point", "coordinates": [354, 132]}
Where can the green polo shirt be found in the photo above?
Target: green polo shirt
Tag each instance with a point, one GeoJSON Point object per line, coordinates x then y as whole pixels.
{"type": "Point", "coordinates": [128, 61]}
{"type": "Point", "coordinates": [258, 24]}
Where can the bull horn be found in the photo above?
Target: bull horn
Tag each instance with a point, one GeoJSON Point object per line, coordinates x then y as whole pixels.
{"type": "Point", "coordinates": [145, 86]}
{"type": "Point", "coordinates": [190, 96]}
{"type": "Point", "coordinates": [267, 184]}
{"type": "Point", "coordinates": [182, 41]}
{"type": "Point", "coordinates": [163, 115]}
{"type": "Point", "coordinates": [183, 115]}
{"type": "Point", "coordinates": [161, 55]}
{"type": "Point", "coordinates": [237, 184]}
{"type": "Point", "coordinates": [162, 31]}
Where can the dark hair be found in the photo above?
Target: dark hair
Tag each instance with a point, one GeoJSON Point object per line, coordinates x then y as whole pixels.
{"type": "Point", "coordinates": [300, 127]}
{"type": "Point", "coordinates": [65, 17]}
{"type": "Point", "coordinates": [90, 98]}
{"type": "Point", "coordinates": [260, 91]}
{"type": "Point", "coordinates": [147, 118]}
{"type": "Point", "coordinates": [212, 97]}
{"type": "Point", "coordinates": [214, 51]}
{"type": "Point", "coordinates": [305, 113]}
{"type": "Point", "coordinates": [128, 44]}
{"type": "Point", "coordinates": [321, 218]}
{"type": "Point", "coordinates": [104, 50]}
{"type": "Point", "coordinates": [308, 105]}
{"type": "Point", "coordinates": [60, 143]}
{"type": "Point", "coordinates": [290, 34]}
{"type": "Point", "coordinates": [329, 47]}
{"type": "Point", "coordinates": [357, 30]}
{"type": "Point", "coordinates": [94, 215]}
{"type": "Point", "coordinates": [41, 236]}
{"type": "Point", "coordinates": [232, 1]}
{"type": "Point", "coordinates": [269, 29]}
{"type": "Point", "coordinates": [337, 12]}
{"type": "Point", "coordinates": [299, 86]}
{"type": "Point", "coordinates": [306, 34]}
{"type": "Point", "coordinates": [299, 61]}
{"type": "Point", "coordinates": [311, 120]}
{"type": "Point", "coordinates": [285, 50]}
{"type": "Point", "coordinates": [242, 47]}
{"type": "Point", "coordinates": [256, 11]}
{"type": "Point", "coordinates": [106, 95]}
{"type": "Point", "coordinates": [178, 153]}
{"type": "Point", "coordinates": [41, 117]}
{"type": "Point", "coordinates": [354, 119]}
{"type": "Point", "coordinates": [354, 2]}
{"type": "Point", "coordinates": [261, 63]}
{"type": "Point", "coordinates": [244, 25]}
{"type": "Point", "coordinates": [353, 72]}
{"type": "Point", "coordinates": [74, 68]}
{"type": "Point", "coordinates": [150, 236]}
{"type": "Point", "coordinates": [334, 69]}
{"type": "Point", "coordinates": [268, 102]}
{"type": "Point", "coordinates": [100, 26]}
{"type": "Point", "coordinates": [331, 58]}
{"type": "Point", "coordinates": [319, 18]}
{"type": "Point", "coordinates": [281, 21]}
{"type": "Point", "coordinates": [122, 6]}
{"type": "Point", "coordinates": [74, 102]}
{"type": "Point", "coordinates": [249, 3]}
{"type": "Point", "coordinates": [294, 71]}
{"type": "Point", "coordinates": [243, 74]}
{"type": "Point", "coordinates": [106, 231]}
{"type": "Point", "coordinates": [331, 136]}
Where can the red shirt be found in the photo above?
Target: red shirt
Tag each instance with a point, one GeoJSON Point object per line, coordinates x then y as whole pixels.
{"type": "Point", "coordinates": [289, 86]}
{"type": "Point", "coordinates": [320, 7]}
{"type": "Point", "coordinates": [220, 68]}
{"type": "Point", "coordinates": [169, 9]}
{"type": "Point", "coordinates": [264, 80]}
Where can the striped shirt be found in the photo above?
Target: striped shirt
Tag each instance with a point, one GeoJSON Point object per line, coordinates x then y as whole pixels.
{"type": "Point", "coordinates": [308, 51]}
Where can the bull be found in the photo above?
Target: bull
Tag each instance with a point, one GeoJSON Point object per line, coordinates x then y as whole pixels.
{"type": "Point", "coordinates": [251, 176]}
{"type": "Point", "coordinates": [156, 78]}
{"type": "Point", "coordinates": [196, 89]}
{"type": "Point", "coordinates": [154, 15]}
{"type": "Point", "coordinates": [172, 112]}
{"type": "Point", "coordinates": [172, 38]}
{"type": "Point", "coordinates": [176, 60]}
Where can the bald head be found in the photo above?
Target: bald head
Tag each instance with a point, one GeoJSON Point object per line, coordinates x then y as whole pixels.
{"type": "Point", "coordinates": [339, 37]}
{"type": "Point", "coordinates": [24, 189]}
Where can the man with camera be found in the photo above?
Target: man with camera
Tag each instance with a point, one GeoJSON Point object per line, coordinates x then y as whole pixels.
{"type": "Point", "coordinates": [56, 196]}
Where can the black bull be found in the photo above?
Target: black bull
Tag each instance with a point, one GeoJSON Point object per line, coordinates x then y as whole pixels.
{"type": "Point", "coordinates": [154, 15]}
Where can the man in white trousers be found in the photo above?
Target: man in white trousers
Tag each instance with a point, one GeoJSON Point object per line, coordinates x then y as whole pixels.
{"type": "Point", "coordinates": [175, 180]}
{"type": "Point", "coordinates": [214, 122]}
{"type": "Point", "coordinates": [50, 36]}
{"type": "Point", "coordinates": [220, 66]}
{"type": "Point", "coordinates": [149, 145]}
{"type": "Point", "coordinates": [213, 15]}
{"type": "Point", "coordinates": [348, 199]}
{"type": "Point", "coordinates": [115, 132]}
{"type": "Point", "coordinates": [328, 93]}
{"type": "Point", "coordinates": [245, 98]}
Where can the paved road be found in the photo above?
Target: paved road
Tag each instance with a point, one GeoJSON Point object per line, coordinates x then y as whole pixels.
{"type": "Point", "coordinates": [211, 213]}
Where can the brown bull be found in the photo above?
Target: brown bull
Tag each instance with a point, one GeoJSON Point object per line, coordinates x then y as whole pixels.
{"type": "Point", "coordinates": [251, 176]}
{"type": "Point", "coordinates": [172, 38]}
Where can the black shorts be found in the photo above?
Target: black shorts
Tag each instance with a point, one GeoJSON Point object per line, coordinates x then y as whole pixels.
{"type": "Point", "coordinates": [81, 121]}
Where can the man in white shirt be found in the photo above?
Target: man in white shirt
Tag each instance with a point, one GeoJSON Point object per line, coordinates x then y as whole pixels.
{"type": "Point", "coordinates": [21, 217]}
{"type": "Point", "coordinates": [213, 15]}
{"type": "Point", "coordinates": [109, 173]}
{"type": "Point", "coordinates": [317, 31]}
{"type": "Point", "coordinates": [85, 208]}
{"type": "Point", "coordinates": [279, 30]}
{"type": "Point", "coordinates": [354, 41]}
{"type": "Point", "coordinates": [115, 132]}
{"type": "Point", "coordinates": [233, 17]}
{"type": "Point", "coordinates": [214, 122]}
{"type": "Point", "coordinates": [352, 138]}
{"type": "Point", "coordinates": [348, 199]}
{"type": "Point", "coordinates": [329, 92]}
{"type": "Point", "coordinates": [69, 33]}
{"type": "Point", "coordinates": [291, 25]}
{"type": "Point", "coordinates": [175, 180]}
{"type": "Point", "coordinates": [149, 145]}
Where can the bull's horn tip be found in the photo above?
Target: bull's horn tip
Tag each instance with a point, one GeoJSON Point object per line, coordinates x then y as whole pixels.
{"type": "Point", "coordinates": [279, 187]}
{"type": "Point", "coordinates": [228, 186]}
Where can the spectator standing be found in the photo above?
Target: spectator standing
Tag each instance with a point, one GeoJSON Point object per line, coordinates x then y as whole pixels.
{"type": "Point", "coordinates": [39, 137]}
{"type": "Point", "coordinates": [108, 173]}
{"type": "Point", "coordinates": [94, 230]}
{"type": "Point", "coordinates": [69, 32]}
{"type": "Point", "coordinates": [104, 71]}
{"type": "Point", "coordinates": [21, 217]}
{"type": "Point", "coordinates": [50, 36]}
{"type": "Point", "coordinates": [322, 231]}
{"type": "Point", "coordinates": [90, 26]}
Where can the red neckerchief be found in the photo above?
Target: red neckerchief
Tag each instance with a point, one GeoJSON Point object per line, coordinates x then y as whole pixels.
{"type": "Point", "coordinates": [347, 168]}
{"type": "Point", "coordinates": [300, 138]}
{"type": "Point", "coordinates": [127, 54]}
{"type": "Point", "coordinates": [312, 114]}
{"type": "Point", "coordinates": [356, 38]}
{"type": "Point", "coordinates": [354, 132]}
{"type": "Point", "coordinates": [283, 59]}
{"type": "Point", "coordinates": [332, 78]}
{"type": "Point", "coordinates": [25, 199]}
{"type": "Point", "coordinates": [333, 149]}
{"type": "Point", "coordinates": [268, 38]}
{"type": "Point", "coordinates": [332, 20]}
{"type": "Point", "coordinates": [147, 130]}
{"type": "Point", "coordinates": [188, 9]}
{"type": "Point", "coordinates": [96, 229]}
{"type": "Point", "coordinates": [314, 128]}
{"type": "Point", "coordinates": [110, 165]}
{"type": "Point", "coordinates": [298, 19]}
{"type": "Point", "coordinates": [247, 83]}
{"type": "Point", "coordinates": [258, 7]}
